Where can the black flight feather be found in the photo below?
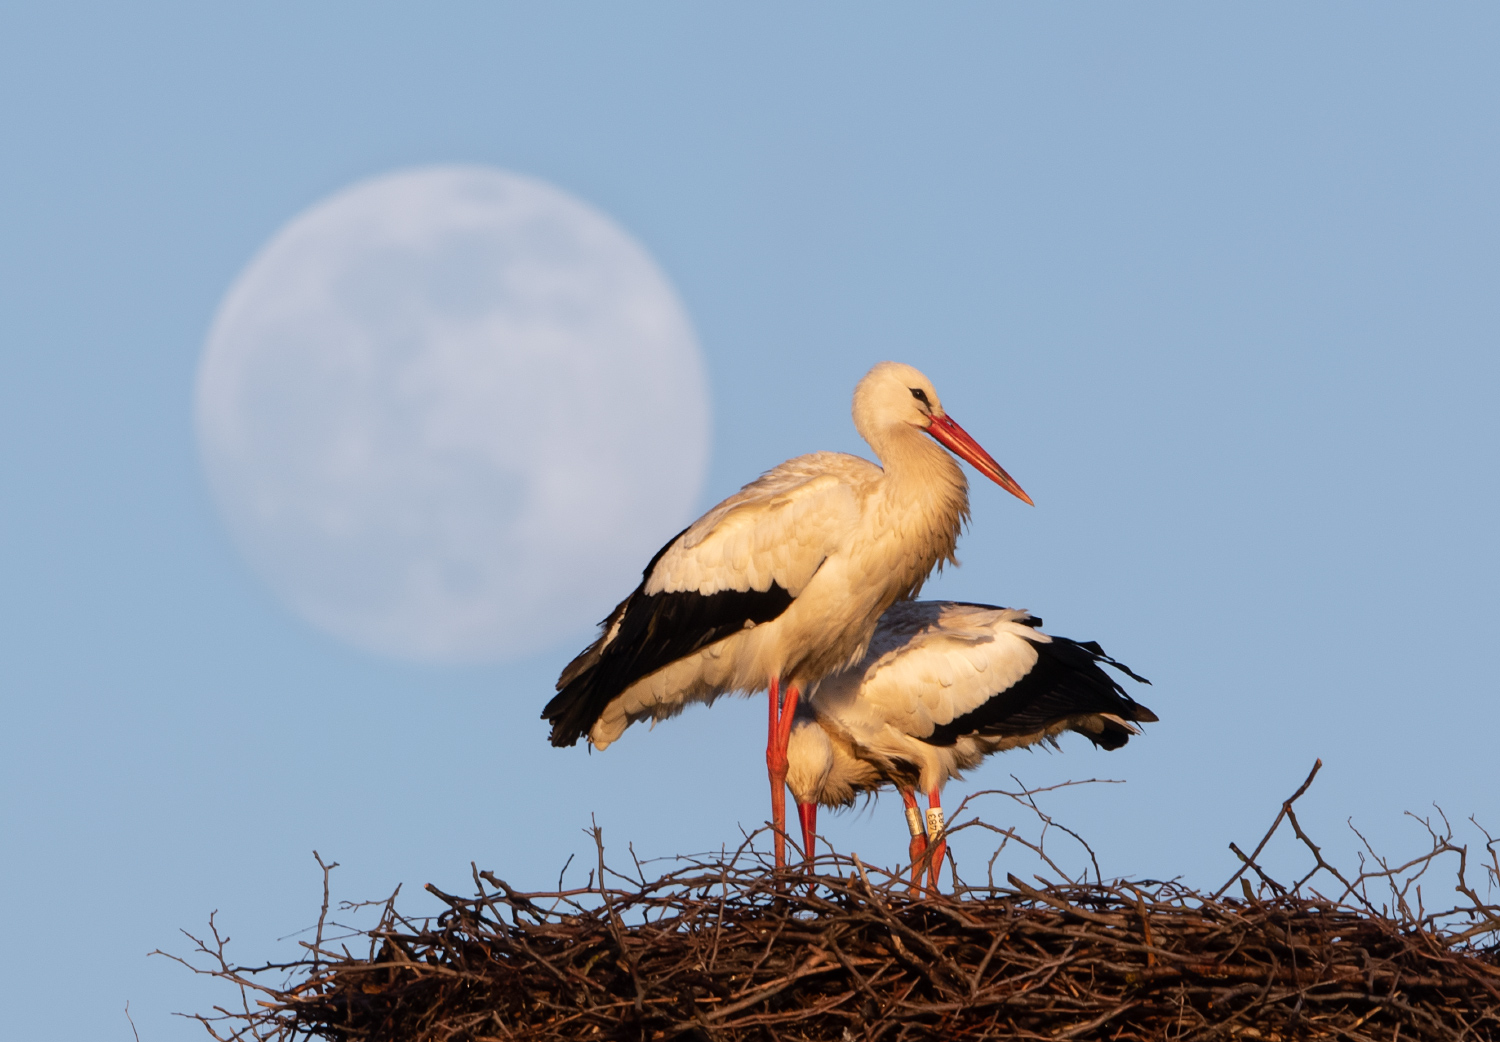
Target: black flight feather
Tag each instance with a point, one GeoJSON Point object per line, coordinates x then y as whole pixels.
{"type": "Point", "coordinates": [1066, 681]}
{"type": "Point", "coordinates": [651, 631]}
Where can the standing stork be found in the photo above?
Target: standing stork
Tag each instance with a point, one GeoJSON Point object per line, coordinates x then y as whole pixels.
{"type": "Point", "coordinates": [942, 686]}
{"type": "Point", "coordinates": [782, 583]}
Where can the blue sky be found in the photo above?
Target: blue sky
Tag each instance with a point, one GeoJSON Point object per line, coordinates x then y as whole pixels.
{"type": "Point", "coordinates": [1217, 284]}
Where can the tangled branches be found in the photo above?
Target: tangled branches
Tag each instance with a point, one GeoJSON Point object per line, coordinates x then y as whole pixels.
{"type": "Point", "coordinates": [725, 949]}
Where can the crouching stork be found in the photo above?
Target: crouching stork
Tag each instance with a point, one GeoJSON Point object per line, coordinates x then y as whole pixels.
{"type": "Point", "coordinates": [942, 686]}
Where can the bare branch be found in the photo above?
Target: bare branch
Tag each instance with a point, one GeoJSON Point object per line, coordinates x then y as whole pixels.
{"type": "Point", "coordinates": [1286, 808]}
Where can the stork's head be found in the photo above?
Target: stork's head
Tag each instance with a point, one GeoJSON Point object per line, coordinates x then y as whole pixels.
{"type": "Point", "coordinates": [809, 760]}
{"type": "Point", "coordinates": [893, 396]}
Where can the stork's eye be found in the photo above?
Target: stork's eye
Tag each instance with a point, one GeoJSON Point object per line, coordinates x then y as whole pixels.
{"type": "Point", "coordinates": [921, 396]}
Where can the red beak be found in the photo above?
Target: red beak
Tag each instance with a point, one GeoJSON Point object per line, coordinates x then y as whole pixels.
{"type": "Point", "coordinates": [957, 440]}
{"type": "Point", "coordinates": [808, 812]}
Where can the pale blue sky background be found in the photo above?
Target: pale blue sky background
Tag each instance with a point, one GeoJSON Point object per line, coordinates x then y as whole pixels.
{"type": "Point", "coordinates": [1216, 283]}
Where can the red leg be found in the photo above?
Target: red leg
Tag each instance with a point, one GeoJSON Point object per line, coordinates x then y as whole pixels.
{"type": "Point", "coordinates": [918, 845]}
{"type": "Point", "coordinates": [808, 812]}
{"type": "Point", "coordinates": [777, 773]}
{"type": "Point", "coordinates": [934, 831]}
{"type": "Point", "coordinates": [779, 734]}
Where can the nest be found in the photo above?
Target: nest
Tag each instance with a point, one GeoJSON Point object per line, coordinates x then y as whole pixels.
{"type": "Point", "coordinates": [725, 949]}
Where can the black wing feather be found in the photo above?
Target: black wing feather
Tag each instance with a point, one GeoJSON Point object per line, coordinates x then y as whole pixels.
{"type": "Point", "coordinates": [654, 630]}
{"type": "Point", "coordinates": [1066, 681]}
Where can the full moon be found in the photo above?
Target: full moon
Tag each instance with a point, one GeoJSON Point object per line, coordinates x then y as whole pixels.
{"type": "Point", "coordinates": [449, 413]}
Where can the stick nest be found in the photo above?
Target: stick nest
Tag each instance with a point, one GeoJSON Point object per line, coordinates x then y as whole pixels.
{"type": "Point", "coordinates": [725, 949]}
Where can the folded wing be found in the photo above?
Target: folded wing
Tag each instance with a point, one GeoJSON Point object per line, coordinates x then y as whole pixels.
{"type": "Point", "coordinates": [739, 566]}
{"type": "Point", "coordinates": [951, 670]}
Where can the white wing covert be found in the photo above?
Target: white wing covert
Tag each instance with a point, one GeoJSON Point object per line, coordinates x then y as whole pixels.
{"type": "Point", "coordinates": [777, 530]}
{"type": "Point", "coordinates": [964, 657]}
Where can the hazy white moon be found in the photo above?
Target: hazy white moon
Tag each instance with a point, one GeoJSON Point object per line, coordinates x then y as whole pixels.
{"type": "Point", "coordinates": [449, 413]}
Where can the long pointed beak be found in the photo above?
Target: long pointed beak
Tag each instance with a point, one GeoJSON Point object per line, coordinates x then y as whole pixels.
{"type": "Point", "coordinates": [808, 812]}
{"type": "Point", "coordinates": [958, 441]}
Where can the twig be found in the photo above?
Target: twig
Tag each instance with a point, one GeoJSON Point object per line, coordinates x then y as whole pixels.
{"type": "Point", "coordinates": [614, 924]}
{"type": "Point", "coordinates": [1286, 807]}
